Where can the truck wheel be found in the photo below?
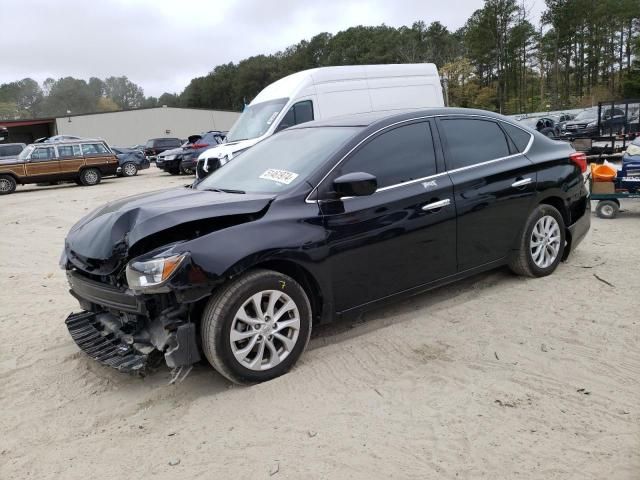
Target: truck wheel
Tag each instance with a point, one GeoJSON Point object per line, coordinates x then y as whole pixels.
{"type": "Point", "coordinates": [90, 176]}
{"type": "Point", "coordinates": [129, 169]}
{"type": "Point", "coordinates": [7, 184]}
{"type": "Point", "coordinates": [541, 245]}
{"type": "Point", "coordinates": [256, 327]}
{"type": "Point", "coordinates": [607, 209]}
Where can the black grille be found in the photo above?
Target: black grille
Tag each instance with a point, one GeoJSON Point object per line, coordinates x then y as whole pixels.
{"type": "Point", "coordinates": [104, 346]}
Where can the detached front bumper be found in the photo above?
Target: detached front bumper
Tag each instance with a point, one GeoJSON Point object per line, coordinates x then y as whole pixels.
{"type": "Point", "coordinates": [130, 332]}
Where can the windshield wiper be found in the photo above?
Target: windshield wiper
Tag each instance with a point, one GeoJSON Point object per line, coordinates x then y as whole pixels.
{"type": "Point", "coordinates": [225, 190]}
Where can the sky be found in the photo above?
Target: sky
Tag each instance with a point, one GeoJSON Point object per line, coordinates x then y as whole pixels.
{"type": "Point", "coordinates": [162, 44]}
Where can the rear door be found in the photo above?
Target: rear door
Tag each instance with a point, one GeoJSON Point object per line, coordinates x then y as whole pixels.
{"type": "Point", "coordinates": [403, 235]}
{"type": "Point", "coordinates": [494, 185]}
{"type": "Point", "coordinates": [97, 155]}
{"type": "Point", "coordinates": [70, 157]}
{"type": "Point", "coordinates": [43, 163]}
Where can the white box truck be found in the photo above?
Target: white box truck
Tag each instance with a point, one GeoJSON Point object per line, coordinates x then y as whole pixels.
{"type": "Point", "coordinates": [322, 93]}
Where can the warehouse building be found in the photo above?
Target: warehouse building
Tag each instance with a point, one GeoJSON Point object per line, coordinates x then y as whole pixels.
{"type": "Point", "coordinates": [124, 128]}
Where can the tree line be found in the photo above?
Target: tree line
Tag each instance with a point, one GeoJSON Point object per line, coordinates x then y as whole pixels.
{"type": "Point", "coordinates": [581, 52]}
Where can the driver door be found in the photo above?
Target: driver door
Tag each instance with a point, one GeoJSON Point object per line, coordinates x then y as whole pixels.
{"type": "Point", "coordinates": [402, 236]}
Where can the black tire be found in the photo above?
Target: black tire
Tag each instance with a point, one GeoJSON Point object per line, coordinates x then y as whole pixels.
{"type": "Point", "coordinates": [218, 318]}
{"type": "Point", "coordinates": [90, 176]}
{"type": "Point", "coordinates": [607, 209]}
{"type": "Point", "coordinates": [521, 261]}
{"type": "Point", "coordinates": [186, 171]}
{"type": "Point", "coordinates": [548, 132]}
{"type": "Point", "coordinates": [129, 169]}
{"type": "Point", "coordinates": [77, 181]}
{"type": "Point", "coordinates": [7, 184]}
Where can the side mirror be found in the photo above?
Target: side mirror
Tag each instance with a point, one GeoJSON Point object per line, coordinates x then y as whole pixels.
{"type": "Point", "coordinates": [356, 184]}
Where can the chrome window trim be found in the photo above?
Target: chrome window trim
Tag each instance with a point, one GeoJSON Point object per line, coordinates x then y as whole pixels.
{"type": "Point", "coordinates": [446, 172]}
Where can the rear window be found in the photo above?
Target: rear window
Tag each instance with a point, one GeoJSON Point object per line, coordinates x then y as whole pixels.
{"type": "Point", "coordinates": [519, 137]}
{"type": "Point", "coordinates": [471, 141]}
{"type": "Point", "coordinates": [10, 150]}
{"type": "Point", "coordinates": [168, 142]}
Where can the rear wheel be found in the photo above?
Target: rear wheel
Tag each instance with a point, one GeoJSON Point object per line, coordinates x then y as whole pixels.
{"type": "Point", "coordinates": [90, 176]}
{"type": "Point", "coordinates": [541, 244]}
{"type": "Point", "coordinates": [607, 209]}
{"type": "Point", "coordinates": [129, 169]}
{"type": "Point", "coordinates": [256, 327]}
{"type": "Point", "coordinates": [7, 184]}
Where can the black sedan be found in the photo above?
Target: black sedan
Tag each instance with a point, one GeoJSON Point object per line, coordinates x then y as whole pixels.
{"type": "Point", "coordinates": [324, 219]}
{"type": "Point", "coordinates": [130, 161]}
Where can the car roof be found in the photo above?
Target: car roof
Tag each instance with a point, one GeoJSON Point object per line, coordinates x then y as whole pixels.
{"type": "Point", "coordinates": [69, 142]}
{"type": "Point", "coordinates": [371, 118]}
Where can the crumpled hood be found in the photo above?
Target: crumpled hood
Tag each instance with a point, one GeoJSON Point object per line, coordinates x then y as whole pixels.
{"type": "Point", "coordinates": [124, 222]}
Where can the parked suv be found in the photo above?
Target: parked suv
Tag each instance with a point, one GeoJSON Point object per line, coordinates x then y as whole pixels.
{"type": "Point", "coordinates": [10, 150]}
{"type": "Point", "coordinates": [84, 161]}
{"type": "Point", "coordinates": [155, 146]}
{"type": "Point", "coordinates": [322, 219]}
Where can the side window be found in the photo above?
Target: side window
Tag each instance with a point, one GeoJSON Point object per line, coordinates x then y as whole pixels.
{"type": "Point", "coordinates": [519, 137]}
{"type": "Point", "coordinates": [43, 153]}
{"type": "Point", "coordinates": [299, 113]}
{"type": "Point", "coordinates": [93, 149]}
{"type": "Point", "coordinates": [400, 155]}
{"type": "Point", "coordinates": [473, 141]}
{"type": "Point", "coordinates": [69, 151]}
{"type": "Point", "coordinates": [88, 149]}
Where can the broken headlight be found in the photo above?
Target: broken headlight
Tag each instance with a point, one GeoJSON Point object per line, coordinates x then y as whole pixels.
{"type": "Point", "coordinates": [152, 273]}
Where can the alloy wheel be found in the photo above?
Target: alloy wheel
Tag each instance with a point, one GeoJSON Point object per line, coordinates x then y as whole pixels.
{"type": "Point", "coordinates": [130, 169]}
{"type": "Point", "coordinates": [545, 241]}
{"type": "Point", "coordinates": [265, 330]}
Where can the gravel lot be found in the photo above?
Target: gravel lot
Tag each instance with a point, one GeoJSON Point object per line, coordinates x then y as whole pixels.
{"type": "Point", "coordinates": [496, 376]}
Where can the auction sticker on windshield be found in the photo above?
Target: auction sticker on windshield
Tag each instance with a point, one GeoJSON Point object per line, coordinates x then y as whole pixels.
{"type": "Point", "coordinates": [280, 176]}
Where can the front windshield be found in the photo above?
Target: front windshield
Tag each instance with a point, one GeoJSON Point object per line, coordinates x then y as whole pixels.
{"type": "Point", "coordinates": [26, 152]}
{"type": "Point", "coordinates": [586, 115]}
{"type": "Point", "coordinates": [279, 162]}
{"type": "Point", "coordinates": [255, 120]}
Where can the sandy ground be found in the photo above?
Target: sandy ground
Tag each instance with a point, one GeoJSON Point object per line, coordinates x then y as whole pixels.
{"type": "Point", "coordinates": [495, 377]}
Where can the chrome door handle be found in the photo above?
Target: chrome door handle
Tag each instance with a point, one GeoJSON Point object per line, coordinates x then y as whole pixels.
{"type": "Point", "coordinates": [521, 183]}
{"type": "Point", "coordinates": [436, 205]}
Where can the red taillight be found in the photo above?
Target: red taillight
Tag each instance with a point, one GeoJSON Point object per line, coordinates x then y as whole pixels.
{"type": "Point", "coordinates": [199, 145]}
{"type": "Point", "coordinates": [580, 159]}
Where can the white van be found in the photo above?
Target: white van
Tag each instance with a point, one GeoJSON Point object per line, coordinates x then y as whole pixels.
{"type": "Point", "coordinates": [322, 93]}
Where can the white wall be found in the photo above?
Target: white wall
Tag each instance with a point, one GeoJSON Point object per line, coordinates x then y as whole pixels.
{"type": "Point", "coordinates": [137, 126]}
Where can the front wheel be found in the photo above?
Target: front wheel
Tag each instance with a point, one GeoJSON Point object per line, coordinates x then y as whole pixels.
{"type": "Point", "coordinates": [7, 184]}
{"type": "Point", "coordinates": [541, 245]}
{"type": "Point", "coordinates": [256, 327]}
{"type": "Point", "coordinates": [90, 176]}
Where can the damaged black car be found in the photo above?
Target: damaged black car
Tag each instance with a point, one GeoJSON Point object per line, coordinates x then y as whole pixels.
{"type": "Point", "coordinates": [320, 220]}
